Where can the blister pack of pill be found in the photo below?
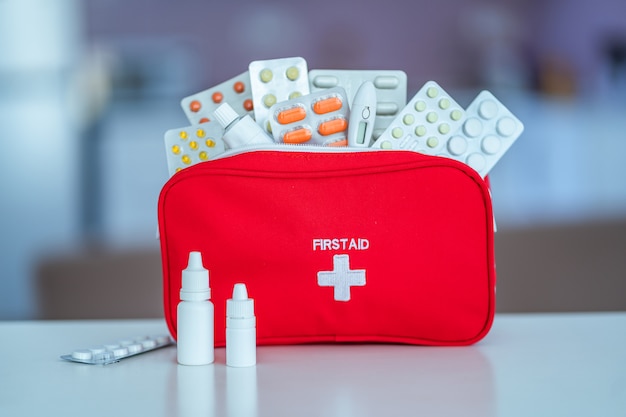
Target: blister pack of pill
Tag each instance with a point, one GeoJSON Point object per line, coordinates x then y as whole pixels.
{"type": "Point", "coordinates": [199, 107]}
{"type": "Point", "coordinates": [487, 133]}
{"type": "Point", "coordinates": [193, 144]}
{"type": "Point", "coordinates": [318, 119]}
{"type": "Point", "coordinates": [276, 80]}
{"type": "Point", "coordinates": [116, 351]}
{"type": "Point", "coordinates": [425, 123]}
{"type": "Point", "coordinates": [391, 90]}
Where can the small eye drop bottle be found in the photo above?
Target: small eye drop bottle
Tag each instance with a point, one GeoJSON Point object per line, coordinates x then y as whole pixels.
{"type": "Point", "coordinates": [240, 329]}
{"type": "Point", "coordinates": [240, 131]}
{"type": "Point", "coordinates": [195, 315]}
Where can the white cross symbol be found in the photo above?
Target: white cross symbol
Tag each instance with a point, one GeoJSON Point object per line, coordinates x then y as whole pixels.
{"type": "Point", "coordinates": [341, 277]}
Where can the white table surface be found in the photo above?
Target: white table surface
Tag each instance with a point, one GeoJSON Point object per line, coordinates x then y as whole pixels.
{"type": "Point", "coordinates": [528, 365]}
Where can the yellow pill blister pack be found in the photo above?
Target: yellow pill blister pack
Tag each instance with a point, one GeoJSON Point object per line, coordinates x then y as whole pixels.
{"type": "Point", "coordinates": [193, 144]}
{"type": "Point", "coordinates": [199, 107]}
{"type": "Point", "coordinates": [276, 80]}
{"type": "Point", "coordinates": [425, 123]}
{"type": "Point", "coordinates": [317, 119]}
{"type": "Point", "coordinates": [391, 90]}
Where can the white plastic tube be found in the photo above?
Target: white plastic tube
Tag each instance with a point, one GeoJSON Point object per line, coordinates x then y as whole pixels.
{"type": "Point", "coordinates": [239, 131]}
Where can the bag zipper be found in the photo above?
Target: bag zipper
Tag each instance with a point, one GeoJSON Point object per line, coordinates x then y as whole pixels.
{"type": "Point", "coordinates": [283, 147]}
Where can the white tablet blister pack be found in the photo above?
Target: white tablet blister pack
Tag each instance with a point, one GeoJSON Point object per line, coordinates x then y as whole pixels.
{"type": "Point", "coordinates": [116, 351]}
{"type": "Point", "coordinates": [391, 90]}
{"type": "Point", "coordinates": [487, 133]}
{"type": "Point", "coordinates": [199, 107]}
{"type": "Point", "coordinates": [276, 80]}
{"type": "Point", "coordinates": [318, 119]}
{"type": "Point", "coordinates": [425, 123]}
{"type": "Point", "coordinates": [193, 144]}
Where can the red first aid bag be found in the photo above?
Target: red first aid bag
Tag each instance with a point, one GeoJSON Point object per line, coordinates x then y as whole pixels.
{"type": "Point", "coordinates": [336, 245]}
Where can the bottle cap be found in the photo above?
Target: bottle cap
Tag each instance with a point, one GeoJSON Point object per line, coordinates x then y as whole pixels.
{"type": "Point", "coordinates": [240, 306]}
{"type": "Point", "coordinates": [225, 115]}
{"type": "Point", "coordinates": [195, 281]}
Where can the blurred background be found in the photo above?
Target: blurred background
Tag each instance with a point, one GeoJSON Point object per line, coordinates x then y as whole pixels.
{"type": "Point", "coordinates": [88, 88]}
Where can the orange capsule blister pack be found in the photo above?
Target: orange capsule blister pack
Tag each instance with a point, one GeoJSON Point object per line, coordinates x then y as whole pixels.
{"type": "Point", "coordinates": [315, 119]}
{"type": "Point", "coordinates": [199, 107]}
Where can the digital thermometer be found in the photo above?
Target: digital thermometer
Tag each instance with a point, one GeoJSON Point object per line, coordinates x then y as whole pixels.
{"type": "Point", "coordinates": [362, 116]}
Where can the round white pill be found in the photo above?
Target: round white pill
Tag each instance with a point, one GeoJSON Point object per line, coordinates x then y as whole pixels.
{"type": "Point", "coordinates": [472, 127]}
{"type": "Point", "coordinates": [476, 161]}
{"type": "Point", "coordinates": [162, 339]}
{"type": "Point", "coordinates": [82, 354]}
{"type": "Point", "coordinates": [506, 126]}
{"type": "Point", "coordinates": [98, 350]}
{"type": "Point", "coordinates": [148, 344]}
{"type": "Point", "coordinates": [490, 144]}
{"type": "Point", "coordinates": [488, 109]}
{"type": "Point", "coordinates": [457, 145]}
{"type": "Point", "coordinates": [134, 348]}
{"type": "Point", "coordinates": [119, 352]}
{"type": "Point", "coordinates": [386, 145]}
{"type": "Point", "coordinates": [104, 356]}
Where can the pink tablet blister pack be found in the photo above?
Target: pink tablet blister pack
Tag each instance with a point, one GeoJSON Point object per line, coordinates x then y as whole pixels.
{"type": "Point", "coordinates": [317, 119]}
{"type": "Point", "coordinates": [199, 107]}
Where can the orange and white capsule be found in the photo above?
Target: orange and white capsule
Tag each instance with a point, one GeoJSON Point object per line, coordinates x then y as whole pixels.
{"type": "Point", "coordinates": [291, 115]}
{"type": "Point", "coordinates": [332, 126]}
{"type": "Point", "coordinates": [327, 105]}
{"type": "Point", "coordinates": [296, 136]}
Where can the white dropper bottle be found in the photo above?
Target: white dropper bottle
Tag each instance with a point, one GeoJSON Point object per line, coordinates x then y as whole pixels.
{"type": "Point", "coordinates": [195, 315]}
{"type": "Point", "coordinates": [239, 131]}
{"type": "Point", "coordinates": [240, 329]}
